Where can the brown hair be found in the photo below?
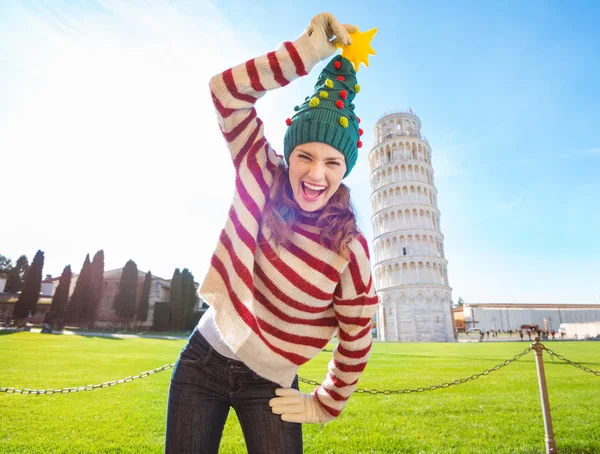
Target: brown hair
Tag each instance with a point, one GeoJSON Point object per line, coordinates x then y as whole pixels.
{"type": "Point", "coordinates": [337, 220]}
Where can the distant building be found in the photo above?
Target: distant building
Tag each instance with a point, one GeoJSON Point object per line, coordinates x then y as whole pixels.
{"type": "Point", "coordinates": [505, 317]}
{"type": "Point", "coordinates": [160, 291]}
{"type": "Point", "coordinates": [8, 300]}
{"type": "Point", "coordinates": [459, 319]}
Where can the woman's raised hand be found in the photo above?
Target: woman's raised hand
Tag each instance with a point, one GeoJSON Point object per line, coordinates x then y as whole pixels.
{"type": "Point", "coordinates": [325, 31]}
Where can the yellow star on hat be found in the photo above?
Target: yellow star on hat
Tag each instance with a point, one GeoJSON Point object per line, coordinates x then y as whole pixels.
{"type": "Point", "coordinates": [360, 49]}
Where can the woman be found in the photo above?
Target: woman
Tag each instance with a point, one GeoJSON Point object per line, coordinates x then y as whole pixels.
{"type": "Point", "coordinates": [291, 269]}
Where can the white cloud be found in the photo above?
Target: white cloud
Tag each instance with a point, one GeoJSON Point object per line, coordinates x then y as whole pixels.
{"type": "Point", "coordinates": [592, 151]}
{"type": "Point", "coordinates": [449, 159]}
{"type": "Point", "coordinates": [583, 152]}
{"type": "Point", "coordinates": [509, 206]}
{"type": "Point", "coordinates": [524, 161]}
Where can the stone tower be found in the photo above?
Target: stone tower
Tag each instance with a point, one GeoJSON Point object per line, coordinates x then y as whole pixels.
{"type": "Point", "coordinates": [409, 265]}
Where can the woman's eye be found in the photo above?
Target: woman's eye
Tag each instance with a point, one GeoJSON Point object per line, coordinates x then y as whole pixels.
{"type": "Point", "coordinates": [335, 163]}
{"type": "Point", "coordinates": [304, 157]}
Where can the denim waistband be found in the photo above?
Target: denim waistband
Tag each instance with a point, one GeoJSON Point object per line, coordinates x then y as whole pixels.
{"type": "Point", "coordinates": [198, 341]}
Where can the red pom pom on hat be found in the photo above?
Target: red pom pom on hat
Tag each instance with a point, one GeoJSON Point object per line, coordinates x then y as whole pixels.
{"type": "Point", "coordinates": [360, 132]}
{"type": "Point", "coordinates": [337, 64]}
{"type": "Point", "coordinates": [340, 78]}
{"type": "Point", "coordinates": [339, 103]}
{"type": "Point", "coordinates": [358, 119]}
{"type": "Point", "coordinates": [288, 121]}
{"type": "Point", "coordinates": [343, 94]}
{"type": "Point", "coordinates": [359, 144]}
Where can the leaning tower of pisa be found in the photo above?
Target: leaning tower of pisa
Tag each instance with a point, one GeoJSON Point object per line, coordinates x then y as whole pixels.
{"type": "Point", "coordinates": [409, 264]}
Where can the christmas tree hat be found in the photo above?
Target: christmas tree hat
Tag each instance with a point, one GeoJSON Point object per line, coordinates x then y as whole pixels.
{"type": "Point", "coordinates": [328, 115]}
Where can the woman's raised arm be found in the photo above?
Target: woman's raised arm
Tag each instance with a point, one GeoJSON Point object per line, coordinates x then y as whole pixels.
{"type": "Point", "coordinates": [236, 90]}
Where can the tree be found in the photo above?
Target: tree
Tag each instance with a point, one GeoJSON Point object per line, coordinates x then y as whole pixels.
{"type": "Point", "coordinates": [76, 308]}
{"type": "Point", "coordinates": [96, 279]}
{"type": "Point", "coordinates": [30, 294]}
{"type": "Point", "coordinates": [186, 290]}
{"type": "Point", "coordinates": [175, 302]}
{"type": "Point", "coordinates": [142, 312]}
{"type": "Point", "coordinates": [460, 302]}
{"type": "Point", "coordinates": [188, 294]}
{"type": "Point", "coordinates": [125, 299]}
{"type": "Point", "coordinates": [14, 283]}
{"type": "Point", "coordinates": [5, 265]}
{"type": "Point", "coordinates": [194, 298]}
{"type": "Point", "coordinates": [61, 297]}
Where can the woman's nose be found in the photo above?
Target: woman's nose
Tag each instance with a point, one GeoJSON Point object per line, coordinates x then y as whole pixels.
{"type": "Point", "coordinates": [316, 171]}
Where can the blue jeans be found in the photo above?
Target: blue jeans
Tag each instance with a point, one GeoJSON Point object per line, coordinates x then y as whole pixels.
{"type": "Point", "coordinates": [204, 385]}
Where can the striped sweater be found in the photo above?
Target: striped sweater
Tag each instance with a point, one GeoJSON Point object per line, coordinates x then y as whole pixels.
{"type": "Point", "coordinates": [277, 307]}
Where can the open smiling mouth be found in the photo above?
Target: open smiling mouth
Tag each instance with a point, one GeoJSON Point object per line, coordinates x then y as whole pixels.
{"type": "Point", "coordinates": [312, 192]}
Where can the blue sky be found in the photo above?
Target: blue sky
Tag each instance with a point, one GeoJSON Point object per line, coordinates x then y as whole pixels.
{"type": "Point", "coordinates": [108, 138]}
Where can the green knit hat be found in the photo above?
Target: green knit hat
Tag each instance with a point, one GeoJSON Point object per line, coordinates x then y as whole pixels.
{"type": "Point", "coordinates": [328, 115]}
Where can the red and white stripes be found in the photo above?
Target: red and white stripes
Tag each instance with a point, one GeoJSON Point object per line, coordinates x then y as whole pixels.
{"type": "Point", "coordinates": [276, 306]}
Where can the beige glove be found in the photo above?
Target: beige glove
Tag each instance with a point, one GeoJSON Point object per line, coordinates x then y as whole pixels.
{"type": "Point", "coordinates": [294, 406]}
{"type": "Point", "coordinates": [323, 27]}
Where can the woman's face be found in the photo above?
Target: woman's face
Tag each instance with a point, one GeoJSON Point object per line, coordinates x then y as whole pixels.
{"type": "Point", "coordinates": [316, 172]}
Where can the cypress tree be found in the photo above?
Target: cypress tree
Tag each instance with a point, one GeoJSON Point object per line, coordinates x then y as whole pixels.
{"type": "Point", "coordinates": [76, 308]}
{"type": "Point", "coordinates": [142, 313]}
{"type": "Point", "coordinates": [30, 294]}
{"type": "Point", "coordinates": [60, 298]}
{"type": "Point", "coordinates": [188, 294]}
{"type": "Point", "coordinates": [14, 283]}
{"type": "Point", "coordinates": [193, 294]}
{"type": "Point", "coordinates": [96, 279]}
{"type": "Point", "coordinates": [185, 294]}
{"type": "Point", "coordinates": [175, 302]}
{"type": "Point", "coordinates": [125, 299]}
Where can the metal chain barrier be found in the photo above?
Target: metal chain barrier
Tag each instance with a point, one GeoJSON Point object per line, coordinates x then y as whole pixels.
{"type": "Point", "coordinates": [433, 387]}
{"type": "Point", "coordinates": [445, 385]}
{"type": "Point", "coordinates": [572, 363]}
{"type": "Point", "coordinates": [107, 384]}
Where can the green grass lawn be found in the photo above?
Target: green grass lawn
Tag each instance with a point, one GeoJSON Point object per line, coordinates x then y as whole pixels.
{"type": "Point", "coordinates": [498, 413]}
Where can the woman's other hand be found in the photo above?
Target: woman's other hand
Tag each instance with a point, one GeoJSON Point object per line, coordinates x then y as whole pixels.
{"type": "Point", "coordinates": [295, 406]}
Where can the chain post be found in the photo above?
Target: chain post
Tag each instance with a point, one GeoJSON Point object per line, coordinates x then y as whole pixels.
{"type": "Point", "coordinates": [539, 362]}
